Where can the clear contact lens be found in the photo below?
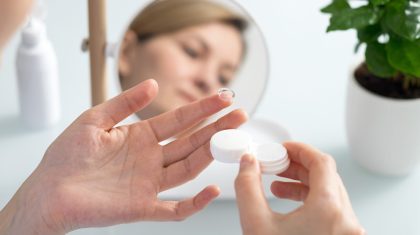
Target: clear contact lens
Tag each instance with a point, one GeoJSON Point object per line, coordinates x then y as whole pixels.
{"type": "Point", "coordinates": [226, 93]}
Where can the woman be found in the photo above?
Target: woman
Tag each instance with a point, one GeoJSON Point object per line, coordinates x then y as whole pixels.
{"type": "Point", "coordinates": [94, 174]}
{"type": "Point", "coordinates": [192, 48]}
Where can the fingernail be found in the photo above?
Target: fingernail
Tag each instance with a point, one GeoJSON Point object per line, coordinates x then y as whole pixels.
{"type": "Point", "coordinates": [246, 161]}
{"type": "Point", "coordinates": [226, 94]}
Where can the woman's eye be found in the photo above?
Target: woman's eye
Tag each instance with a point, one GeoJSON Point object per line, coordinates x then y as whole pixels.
{"type": "Point", "coordinates": [191, 52]}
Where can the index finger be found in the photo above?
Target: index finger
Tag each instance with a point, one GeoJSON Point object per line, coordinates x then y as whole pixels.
{"type": "Point", "coordinates": [110, 113]}
{"type": "Point", "coordinates": [171, 123]}
{"type": "Point", "coordinates": [321, 167]}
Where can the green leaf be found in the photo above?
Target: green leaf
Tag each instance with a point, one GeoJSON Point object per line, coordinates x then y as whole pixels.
{"type": "Point", "coordinates": [355, 18]}
{"type": "Point", "coordinates": [377, 62]}
{"type": "Point", "coordinates": [369, 33]}
{"type": "Point", "coordinates": [379, 2]}
{"type": "Point", "coordinates": [336, 6]}
{"type": "Point", "coordinates": [403, 18]}
{"type": "Point", "coordinates": [404, 55]}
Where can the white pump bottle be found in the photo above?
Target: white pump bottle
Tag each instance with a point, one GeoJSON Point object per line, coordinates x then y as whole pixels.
{"type": "Point", "coordinates": [37, 75]}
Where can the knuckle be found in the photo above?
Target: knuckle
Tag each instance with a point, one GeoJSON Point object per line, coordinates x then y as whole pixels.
{"type": "Point", "coordinates": [190, 174]}
{"type": "Point", "coordinates": [205, 106]}
{"type": "Point", "coordinates": [218, 125]}
{"type": "Point", "coordinates": [179, 115]}
{"type": "Point", "coordinates": [187, 166]}
{"type": "Point", "coordinates": [326, 160]}
{"type": "Point", "coordinates": [148, 94]}
{"type": "Point", "coordinates": [207, 152]}
{"type": "Point", "coordinates": [194, 141]}
{"type": "Point", "coordinates": [179, 215]}
{"type": "Point", "coordinates": [335, 211]}
{"type": "Point", "coordinates": [130, 103]}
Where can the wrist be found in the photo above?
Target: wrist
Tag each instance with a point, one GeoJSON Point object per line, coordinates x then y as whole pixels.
{"type": "Point", "coordinates": [6, 217]}
{"type": "Point", "coordinates": [25, 214]}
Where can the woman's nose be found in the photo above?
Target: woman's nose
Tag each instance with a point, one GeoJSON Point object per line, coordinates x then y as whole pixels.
{"type": "Point", "coordinates": [206, 81]}
{"type": "Point", "coordinates": [202, 85]}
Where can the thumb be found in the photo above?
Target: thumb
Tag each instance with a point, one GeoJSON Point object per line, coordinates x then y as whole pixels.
{"type": "Point", "coordinates": [253, 207]}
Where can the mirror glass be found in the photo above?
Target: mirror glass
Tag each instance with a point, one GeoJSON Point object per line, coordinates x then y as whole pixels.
{"type": "Point", "coordinates": [193, 48]}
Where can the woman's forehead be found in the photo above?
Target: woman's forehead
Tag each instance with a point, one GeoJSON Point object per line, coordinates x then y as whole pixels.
{"type": "Point", "coordinates": [220, 38]}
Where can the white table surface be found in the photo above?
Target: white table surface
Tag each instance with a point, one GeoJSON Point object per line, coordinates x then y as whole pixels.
{"type": "Point", "coordinates": [306, 94]}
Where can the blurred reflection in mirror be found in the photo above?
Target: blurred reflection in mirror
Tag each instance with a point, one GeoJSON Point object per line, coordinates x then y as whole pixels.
{"type": "Point", "coordinates": [191, 47]}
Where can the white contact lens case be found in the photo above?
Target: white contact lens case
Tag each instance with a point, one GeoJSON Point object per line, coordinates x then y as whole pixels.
{"type": "Point", "coordinates": [229, 146]}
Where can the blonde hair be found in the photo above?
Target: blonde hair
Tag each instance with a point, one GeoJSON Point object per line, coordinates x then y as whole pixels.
{"type": "Point", "coordinates": [164, 16]}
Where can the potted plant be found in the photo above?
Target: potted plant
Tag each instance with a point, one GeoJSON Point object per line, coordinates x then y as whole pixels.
{"type": "Point", "coordinates": [383, 97]}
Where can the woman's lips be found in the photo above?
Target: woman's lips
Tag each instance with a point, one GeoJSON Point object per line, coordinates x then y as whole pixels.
{"type": "Point", "coordinates": [187, 96]}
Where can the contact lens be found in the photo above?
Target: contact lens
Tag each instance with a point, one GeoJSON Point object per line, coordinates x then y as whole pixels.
{"type": "Point", "coordinates": [226, 93]}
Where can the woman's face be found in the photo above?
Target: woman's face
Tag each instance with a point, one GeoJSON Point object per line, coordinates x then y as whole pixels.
{"type": "Point", "coordinates": [12, 14]}
{"type": "Point", "coordinates": [188, 64]}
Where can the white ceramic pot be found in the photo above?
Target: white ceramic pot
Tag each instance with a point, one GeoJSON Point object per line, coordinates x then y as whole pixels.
{"type": "Point", "coordinates": [383, 133]}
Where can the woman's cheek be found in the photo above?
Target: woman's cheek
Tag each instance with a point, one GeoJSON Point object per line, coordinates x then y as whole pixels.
{"type": "Point", "coordinates": [176, 68]}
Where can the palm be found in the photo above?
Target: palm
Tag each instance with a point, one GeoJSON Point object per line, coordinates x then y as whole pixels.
{"type": "Point", "coordinates": [129, 180]}
{"type": "Point", "coordinates": [113, 175]}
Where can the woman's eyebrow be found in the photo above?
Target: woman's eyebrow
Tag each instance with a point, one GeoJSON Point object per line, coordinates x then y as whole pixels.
{"type": "Point", "coordinates": [207, 48]}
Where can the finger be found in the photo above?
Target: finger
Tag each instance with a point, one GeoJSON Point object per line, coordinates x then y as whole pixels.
{"type": "Point", "coordinates": [252, 205]}
{"type": "Point", "coordinates": [296, 172]}
{"type": "Point", "coordinates": [180, 149]}
{"type": "Point", "coordinates": [321, 167]}
{"type": "Point", "coordinates": [173, 210]}
{"type": "Point", "coordinates": [290, 190]}
{"type": "Point", "coordinates": [110, 113]}
{"type": "Point", "coordinates": [187, 169]}
{"type": "Point", "coordinates": [171, 123]}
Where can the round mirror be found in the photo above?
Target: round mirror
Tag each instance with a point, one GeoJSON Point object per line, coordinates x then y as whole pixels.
{"type": "Point", "coordinates": [193, 48]}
